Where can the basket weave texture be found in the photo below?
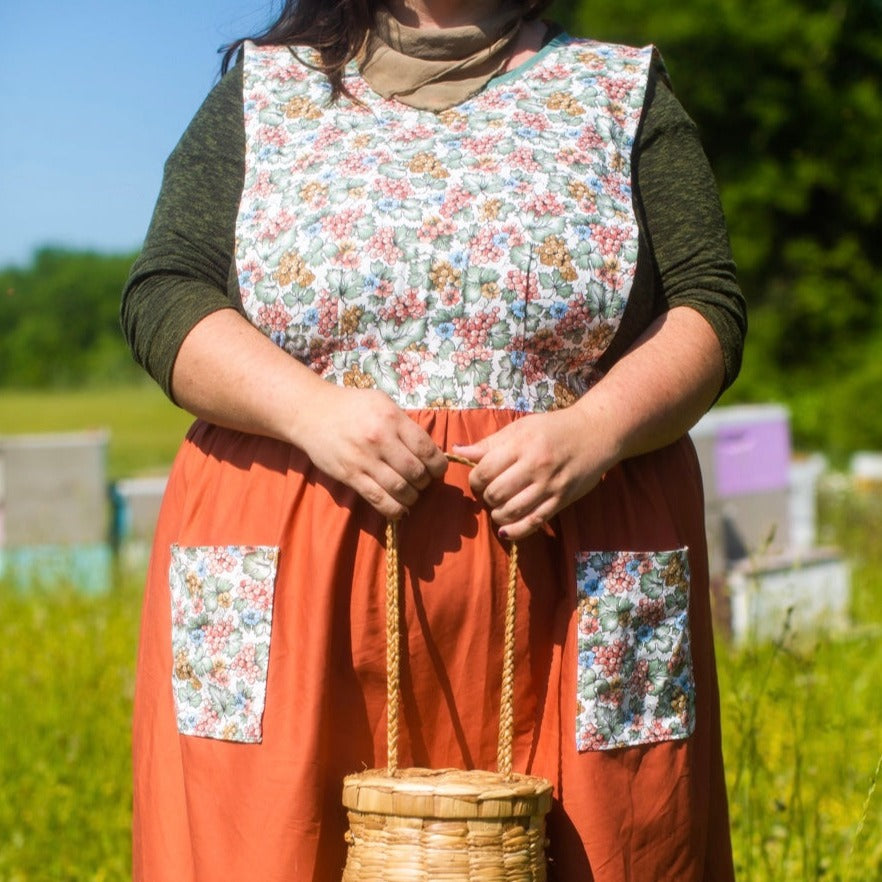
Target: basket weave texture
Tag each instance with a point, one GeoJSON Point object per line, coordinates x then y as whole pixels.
{"type": "Point", "coordinates": [445, 826]}
{"type": "Point", "coordinates": [420, 825]}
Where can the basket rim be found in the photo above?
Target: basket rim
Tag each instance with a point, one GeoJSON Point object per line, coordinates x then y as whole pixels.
{"type": "Point", "coordinates": [446, 793]}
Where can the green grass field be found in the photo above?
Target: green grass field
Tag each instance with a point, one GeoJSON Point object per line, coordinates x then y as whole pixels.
{"type": "Point", "coordinates": [145, 427]}
{"type": "Point", "coordinates": [802, 718]}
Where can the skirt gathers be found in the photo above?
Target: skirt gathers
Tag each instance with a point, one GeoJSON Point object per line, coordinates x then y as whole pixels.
{"type": "Point", "coordinates": [261, 667]}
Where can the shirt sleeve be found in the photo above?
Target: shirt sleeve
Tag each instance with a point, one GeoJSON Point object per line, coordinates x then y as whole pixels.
{"type": "Point", "coordinates": [186, 268]}
{"type": "Point", "coordinates": [682, 220]}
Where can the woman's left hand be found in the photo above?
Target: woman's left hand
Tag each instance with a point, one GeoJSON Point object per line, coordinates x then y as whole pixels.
{"type": "Point", "coordinates": [531, 469]}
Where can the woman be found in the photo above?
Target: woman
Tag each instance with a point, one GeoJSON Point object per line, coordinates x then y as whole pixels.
{"type": "Point", "coordinates": [475, 234]}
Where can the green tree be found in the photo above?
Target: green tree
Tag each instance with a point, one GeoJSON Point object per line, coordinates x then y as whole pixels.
{"type": "Point", "coordinates": [59, 320]}
{"type": "Point", "coordinates": [786, 94]}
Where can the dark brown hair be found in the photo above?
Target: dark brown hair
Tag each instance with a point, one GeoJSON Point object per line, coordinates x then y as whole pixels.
{"type": "Point", "coordinates": [335, 28]}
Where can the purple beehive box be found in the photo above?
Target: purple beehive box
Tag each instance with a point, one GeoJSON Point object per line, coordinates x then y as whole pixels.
{"type": "Point", "coordinates": [752, 454]}
{"type": "Point", "coordinates": [744, 453]}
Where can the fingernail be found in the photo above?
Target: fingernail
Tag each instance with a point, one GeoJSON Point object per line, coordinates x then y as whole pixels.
{"type": "Point", "coordinates": [503, 534]}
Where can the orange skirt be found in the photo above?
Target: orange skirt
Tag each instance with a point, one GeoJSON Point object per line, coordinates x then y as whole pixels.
{"type": "Point", "coordinates": [261, 668]}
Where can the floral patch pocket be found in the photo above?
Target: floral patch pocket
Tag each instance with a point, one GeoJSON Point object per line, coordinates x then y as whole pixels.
{"type": "Point", "coordinates": [222, 608]}
{"type": "Point", "coordinates": [635, 679]}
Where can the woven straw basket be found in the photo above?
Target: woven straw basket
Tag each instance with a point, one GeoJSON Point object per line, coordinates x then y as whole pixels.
{"type": "Point", "coordinates": [420, 825]}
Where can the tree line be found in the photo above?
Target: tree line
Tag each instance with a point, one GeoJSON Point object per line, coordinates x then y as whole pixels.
{"type": "Point", "coordinates": [787, 95]}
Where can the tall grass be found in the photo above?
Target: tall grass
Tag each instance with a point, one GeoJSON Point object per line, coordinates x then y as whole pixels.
{"type": "Point", "coordinates": [66, 667]}
{"type": "Point", "coordinates": [802, 726]}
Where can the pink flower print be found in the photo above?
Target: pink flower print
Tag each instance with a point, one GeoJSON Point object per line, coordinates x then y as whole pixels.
{"type": "Point", "coordinates": [611, 658]}
{"type": "Point", "coordinates": [406, 306]}
{"type": "Point", "coordinates": [481, 145]}
{"type": "Point", "coordinates": [651, 612]}
{"type": "Point", "coordinates": [208, 721]}
{"type": "Point", "coordinates": [609, 239]}
{"type": "Point", "coordinates": [384, 289]}
{"type": "Point", "coordinates": [553, 72]}
{"type": "Point", "coordinates": [257, 594]}
{"type": "Point", "coordinates": [545, 204]}
{"type": "Point", "coordinates": [591, 739]}
{"type": "Point", "coordinates": [487, 396]}
{"type": "Point", "coordinates": [327, 137]}
{"type": "Point", "coordinates": [589, 140]}
{"type": "Point", "coordinates": [465, 358]}
{"type": "Point", "coordinates": [450, 296]}
{"type": "Point", "coordinates": [588, 625]}
{"type": "Point", "coordinates": [515, 235]}
{"type": "Point", "coordinates": [382, 245]}
{"type": "Point", "coordinates": [492, 99]}
{"type": "Point", "coordinates": [535, 121]}
{"type": "Point", "coordinates": [658, 731]}
{"type": "Point", "coordinates": [408, 367]}
{"type": "Point", "coordinates": [217, 634]}
{"type": "Point", "coordinates": [434, 227]}
{"type": "Point", "coordinates": [273, 317]}
{"type": "Point", "coordinates": [456, 200]}
{"type": "Point", "coordinates": [245, 664]}
{"type": "Point", "coordinates": [484, 247]}
{"type": "Point", "coordinates": [408, 134]}
{"type": "Point", "coordinates": [221, 561]}
{"type": "Point", "coordinates": [352, 165]}
{"type": "Point", "coordinates": [521, 283]}
{"type": "Point", "coordinates": [275, 225]}
{"type": "Point", "coordinates": [487, 164]}
{"type": "Point", "coordinates": [475, 329]}
{"type": "Point", "coordinates": [263, 186]}
{"type": "Point", "coordinates": [341, 224]}
{"type": "Point", "coordinates": [613, 186]}
{"type": "Point", "coordinates": [256, 101]}
{"type": "Point", "coordinates": [395, 188]}
{"type": "Point", "coordinates": [616, 88]}
{"type": "Point", "coordinates": [523, 158]}
{"type": "Point", "coordinates": [274, 136]}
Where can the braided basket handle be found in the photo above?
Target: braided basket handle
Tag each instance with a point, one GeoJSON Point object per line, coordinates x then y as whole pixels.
{"type": "Point", "coordinates": [393, 652]}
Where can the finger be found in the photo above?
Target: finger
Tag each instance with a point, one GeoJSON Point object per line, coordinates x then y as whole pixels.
{"type": "Point", "coordinates": [474, 452]}
{"type": "Point", "coordinates": [534, 520]}
{"type": "Point", "coordinates": [393, 483]}
{"type": "Point", "coordinates": [378, 498]}
{"type": "Point", "coordinates": [424, 449]}
{"type": "Point", "coordinates": [512, 482]}
{"type": "Point", "coordinates": [500, 456]}
{"type": "Point", "coordinates": [406, 465]}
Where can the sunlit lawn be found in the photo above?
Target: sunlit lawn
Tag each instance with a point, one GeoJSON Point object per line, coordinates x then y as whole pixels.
{"type": "Point", "coordinates": [145, 427]}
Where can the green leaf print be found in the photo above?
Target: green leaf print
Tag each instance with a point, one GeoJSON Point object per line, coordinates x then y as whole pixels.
{"type": "Point", "coordinates": [259, 565]}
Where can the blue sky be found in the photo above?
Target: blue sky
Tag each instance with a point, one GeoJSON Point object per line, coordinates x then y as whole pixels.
{"type": "Point", "coordinates": [95, 96]}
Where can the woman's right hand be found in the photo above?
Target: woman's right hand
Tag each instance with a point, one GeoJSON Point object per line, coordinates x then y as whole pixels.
{"type": "Point", "coordinates": [363, 439]}
{"type": "Point", "coordinates": [230, 374]}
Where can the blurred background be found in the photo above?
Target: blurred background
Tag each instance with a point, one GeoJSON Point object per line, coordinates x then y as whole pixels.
{"type": "Point", "coordinates": [787, 95]}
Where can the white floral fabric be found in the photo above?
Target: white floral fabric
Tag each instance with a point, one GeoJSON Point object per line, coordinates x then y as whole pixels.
{"type": "Point", "coordinates": [635, 680]}
{"type": "Point", "coordinates": [222, 607]}
{"type": "Point", "coordinates": [481, 257]}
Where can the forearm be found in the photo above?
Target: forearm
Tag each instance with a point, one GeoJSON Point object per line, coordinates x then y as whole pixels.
{"type": "Point", "coordinates": [659, 389]}
{"type": "Point", "coordinates": [228, 373]}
